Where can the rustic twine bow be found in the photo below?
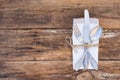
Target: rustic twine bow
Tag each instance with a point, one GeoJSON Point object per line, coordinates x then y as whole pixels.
{"type": "Point", "coordinates": [69, 42]}
{"type": "Point", "coordinates": [86, 56]}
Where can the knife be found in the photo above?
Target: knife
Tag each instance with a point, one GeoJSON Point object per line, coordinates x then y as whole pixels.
{"type": "Point", "coordinates": [86, 32]}
{"type": "Point", "coordinates": [88, 37]}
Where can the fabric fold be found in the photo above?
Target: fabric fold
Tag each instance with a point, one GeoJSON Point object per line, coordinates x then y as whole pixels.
{"type": "Point", "coordinates": [85, 32]}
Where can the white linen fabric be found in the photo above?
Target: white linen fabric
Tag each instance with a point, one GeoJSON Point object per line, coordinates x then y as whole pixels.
{"type": "Point", "coordinates": [85, 31]}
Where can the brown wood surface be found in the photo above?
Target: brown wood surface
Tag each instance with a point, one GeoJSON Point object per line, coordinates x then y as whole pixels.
{"type": "Point", "coordinates": [32, 39]}
{"type": "Point", "coordinates": [50, 45]}
{"type": "Point", "coordinates": [63, 69]}
{"type": "Point", "coordinates": [56, 13]}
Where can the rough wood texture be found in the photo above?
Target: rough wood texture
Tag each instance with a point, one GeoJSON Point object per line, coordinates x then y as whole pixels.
{"type": "Point", "coordinates": [50, 45]}
{"type": "Point", "coordinates": [31, 69]}
{"type": "Point", "coordinates": [56, 14]}
{"type": "Point", "coordinates": [32, 45]}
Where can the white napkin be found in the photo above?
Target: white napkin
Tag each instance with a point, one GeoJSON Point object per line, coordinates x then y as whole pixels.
{"type": "Point", "coordinates": [78, 52]}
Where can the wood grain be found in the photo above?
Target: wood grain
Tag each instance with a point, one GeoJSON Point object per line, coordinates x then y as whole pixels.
{"type": "Point", "coordinates": [47, 77]}
{"type": "Point", "coordinates": [37, 44]}
{"type": "Point", "coordinates": [39, 69]}
{"type": "Point", "coordinates": [32, 39]}
{"type": "Point", "coordinates": [56, 14]}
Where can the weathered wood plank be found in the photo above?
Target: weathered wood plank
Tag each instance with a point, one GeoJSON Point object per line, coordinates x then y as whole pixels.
{"type": "Point", "coordinates": [43, 77]}
{"type": "Point", "coordinates": [42, 54]}
{"type": "Point", "coordinates": [56, 14]}
{"type": "Point", "coordinates": [97, 75]}
{"type": "Point", "coordinates": [41, 44]}
{"type": "Point", "coordinates": [40, 69]}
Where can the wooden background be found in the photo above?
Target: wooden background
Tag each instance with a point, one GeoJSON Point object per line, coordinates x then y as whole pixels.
{"type": "Point", "coordinates": [32, 45]}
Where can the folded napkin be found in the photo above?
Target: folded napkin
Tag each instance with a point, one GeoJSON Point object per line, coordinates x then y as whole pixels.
{"type": "Point", "coordinates": [86, 33]}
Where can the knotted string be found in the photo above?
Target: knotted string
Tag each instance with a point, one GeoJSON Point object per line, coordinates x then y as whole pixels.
{"type": "Point", "coordinates": [80, 45]}
{"type": "Point", "coordinates": [86, 56]}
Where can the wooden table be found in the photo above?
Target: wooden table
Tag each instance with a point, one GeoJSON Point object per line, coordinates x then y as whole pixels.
{"type": "Point", "coordinates": [32, 39]}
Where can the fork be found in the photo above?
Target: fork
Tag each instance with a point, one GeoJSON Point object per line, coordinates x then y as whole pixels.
{"type": "Point", "coordinates": [78, 33]}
